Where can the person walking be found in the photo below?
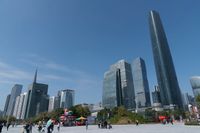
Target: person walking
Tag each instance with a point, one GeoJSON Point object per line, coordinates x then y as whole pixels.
{"type": "Point", "coordinates": [27, 128]}
{"type": "Point", "coordinates": [58, 126]}
{"type": "Point", "coordinates": [8, 125]}
{"type": "Point", "coordinates": [1, 126]}
{"type": "Point", "coordinates": [50, 126]}
{"type": "Point", "coordinates": [86, 124]}
{"type": "Point", "coordinates": [137, 122]}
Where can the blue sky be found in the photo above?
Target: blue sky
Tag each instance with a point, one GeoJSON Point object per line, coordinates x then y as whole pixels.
{"type": "Point", "coordinates": [73, 42]}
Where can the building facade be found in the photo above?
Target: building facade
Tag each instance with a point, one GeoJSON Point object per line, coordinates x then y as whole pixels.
{"type": "Point", "coordinates": [6, 105]}
{"type": "Point", "coordinates": [37, 100]}
{"type": "Point", "coordinates": [141, 85]}
{"type": "Point", "coordinates": [166, 76]}
{"type": "Point", "coordinates": [118, 86]}
{"type": "Point", "coordinates": [18, 110]}
{"type": "Point", "coordinates": [67, 98]}
{"type": "Point", "coordinates": [195, 83]}
{"type": "Point", "coordinates": [51, 104]}
{"type": "Point", "coordinates": [16, 91]}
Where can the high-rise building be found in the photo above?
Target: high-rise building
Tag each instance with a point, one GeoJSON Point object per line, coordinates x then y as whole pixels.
{"type": "Point", "coordinates": [67, 98]}
{"type": "Point", "coordinates": [51, 104]}
{"type": "Point", "coordinates": [141, 85]}
{"type": "Point", "coordinates": [195, 83]}
{"type": "Point", "coordinates": [166, 76]}
{"type": "Point", "coordinates": [6, 105]}
{"type": "Point", "coordinates": [24, 105]}
{"type": "Point", "coordinates": [118, 86]}
{"type": "Point", "coordinates": [16, 107]}
{"type": "Point", "coordinates": [16, 91]}
{"type": "Point", "coordinates": [19, 106]}
{"type": "Point", "coordinates": [156, 95]}
{"type": "Point", "coordinates": [37, 100]}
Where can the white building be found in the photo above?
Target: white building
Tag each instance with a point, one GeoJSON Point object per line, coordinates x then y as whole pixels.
{"type": "Point", "coordinates": [51, 104]}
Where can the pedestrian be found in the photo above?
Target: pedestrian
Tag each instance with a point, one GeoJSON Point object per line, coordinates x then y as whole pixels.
{"type": "Point", "coordinates": [171, 121]}
{"type": "Point", "coordinates": [58, 126]}
{"type": "Point", "coordinates": [50, 126]}
{"type": "Point", "coordinates": [105, 124]}
{"type": "Point", "coordinates": [1, 126]}
{"type": "Point", "coordinates": [27, 128]}
{"type": "Point", "coordinates": [99, 124]}
{"type": "Point", "coordinates": [109, 125]}
{"type": "Point", "coordinates": [8, 125]}
{"type": "Point", "coordinates": [137, 122]}
{"type": "Point", "coordinates": [86, 124]}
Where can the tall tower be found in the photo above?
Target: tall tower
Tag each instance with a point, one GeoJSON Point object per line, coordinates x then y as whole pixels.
{"type": "Point", "coordinates": [37, 99]}
{"type": "Point", "coordinates": [118, 86]}
{"type": "Point", "coordinates": [16, 90]}
{"type": "Point", "coordinates": [141, 85]}
{"type": "Point", "coordinates": [166, 76]}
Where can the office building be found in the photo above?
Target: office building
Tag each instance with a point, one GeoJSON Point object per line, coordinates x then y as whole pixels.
{"type": "Point", "coordinates": [51, 104]}
{"type": "Point", "coordinates": [6, 105]}
{"type": "Point", "coordinates": [195, 83]}
{"type": "Point", "coordinates": [37, 100]}
{"type": "Point", "coordinates": [18, 110]}
{"type": "Point", "coordinates": [141, 85]}
{"type": "Point", "coordinates": [166, 76]}
{"type": "Point", "coordinates": [118, 86]}
{"type": "Point", "coordinates": [67, 98]}
{"type": "Point", "coordinates": [16, 91]}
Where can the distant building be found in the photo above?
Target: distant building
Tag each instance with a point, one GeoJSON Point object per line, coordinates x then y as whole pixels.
{"type": "Point", "coordinates": [18, 110]}
{"type": "Point", "coordinates": [37, 100]}
{"type": "Point", "coordinates": [166, 75]}
{"type": "Point", "coordinates": [24, 105]}
{"type": "Point", "coordinates": [195, 83]}
{"type": "Point", "coordinates": [156, 95]}
{"type": "Point", "coordinates": [6, 105]}
{"type": "Point", "coordinates": [16, 107]}
{"type": "Point", "coordinates": [118, 86]}
{"type": "Point", "coordinates": [1, 113]}
{"type": "Point", "coordinates": [66, 98]}
{"type": "Point", "coordinates": [141, 85]}
{"type": "Point", "coordinates": [16, 91]}
{"type": "Point", "coordinates": [51, 104]}
{"type": "Point", "coordinates": [156, 99]}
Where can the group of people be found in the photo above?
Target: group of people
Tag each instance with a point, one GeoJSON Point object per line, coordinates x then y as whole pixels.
{"type": "Point", "coordinates": [167, 121]}
{"type": "Point", "coordinates": [49, 126]}
{"type": "Point", "coordinates": [104, 124]}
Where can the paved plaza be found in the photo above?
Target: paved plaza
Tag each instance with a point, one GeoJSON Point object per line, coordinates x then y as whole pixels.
{"type": "Point", "coordinates": [146, 128]}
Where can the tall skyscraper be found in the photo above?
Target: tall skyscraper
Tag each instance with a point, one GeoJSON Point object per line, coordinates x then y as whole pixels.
{"type": "Point", "coordinates": [16, 90]}
{"type": "Point", "coordinates": [166, 76]}
{"type": "Point", "coordinates": [16, 107]}
{"type": "Point", "coordinates": [18, 110]}
{"type": "Point", "coordinates": [118, 86]}
{"type": "Point", "coordinates": [156, 96]}
{"type": "Point", "coordinates": [6, 105]}
{"type": "Point", "coordinates": [51, 104]}
{"type": "Point", "coordinates": [24, 106]}
{"type": "Point", "coordinates": [141, 85]}
{"type": "Point", "coordinates": [195, 83]}
{"type": "Point", "coordinates": [67, 98]}
{"type": "Point", "coordinates": [37, 100]}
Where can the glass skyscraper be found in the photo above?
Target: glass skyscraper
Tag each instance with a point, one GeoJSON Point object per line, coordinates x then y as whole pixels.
{"type": "Point", "coordinates": [118, 86]}
{"type": "Point", "coordinates": [16, 91]}
{"type": "Point", "coordinates": [141, 85]}
{"type": "Point", "coordinates": [166, 76]}
{"type": "Point", "coordinates": [66, 98]}
{"type": "Point", "coordinates": [195, 83]}
{"type": "Point", "coordinates": [37, 99]}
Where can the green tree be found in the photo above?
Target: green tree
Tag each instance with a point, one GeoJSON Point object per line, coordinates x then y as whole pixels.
{"type": "Point", "coordinates": [79, 111]}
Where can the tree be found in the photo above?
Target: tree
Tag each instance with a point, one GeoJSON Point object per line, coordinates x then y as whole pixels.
{"type": "Point", "coordinates": [79, 111]}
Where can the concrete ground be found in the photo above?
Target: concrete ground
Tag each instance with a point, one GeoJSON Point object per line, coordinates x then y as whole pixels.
{"type": "Point", "coordinates": [146, 128]}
